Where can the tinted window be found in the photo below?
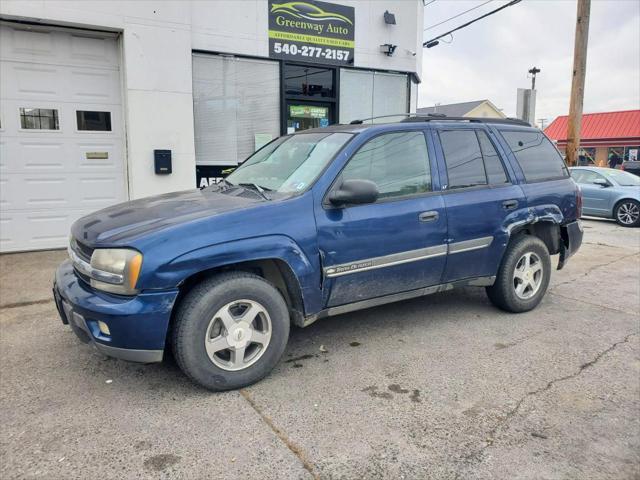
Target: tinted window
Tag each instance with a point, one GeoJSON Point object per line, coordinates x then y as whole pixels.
{"type": "Point", "coordinates": [398, 163]}
{"type": "Point", "coordinates": [308, 81]}
{"type": "Point", "coordinates": [537, 157]}
{"type": "Point", "coordinates": [493, 165]}
{"type": "Point", "coordinates": [39, 119]}
{"type": "Point", "coordinates": [94, 121]}
{"type": "Point", "coordinates": [463, 158]}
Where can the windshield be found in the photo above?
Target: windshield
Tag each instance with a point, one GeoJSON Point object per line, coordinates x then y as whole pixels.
{"type": "Point", "coordinates": [624, 179]}
{"type": "Point", "coordinates": [289, 164]}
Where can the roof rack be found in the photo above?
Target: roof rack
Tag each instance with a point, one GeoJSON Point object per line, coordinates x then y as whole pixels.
{"type": "Point", "coordinates": [440, 117]}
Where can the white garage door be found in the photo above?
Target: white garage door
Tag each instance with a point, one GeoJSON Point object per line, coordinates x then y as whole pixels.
{"type": "Point", "coordinates": [61, 132]}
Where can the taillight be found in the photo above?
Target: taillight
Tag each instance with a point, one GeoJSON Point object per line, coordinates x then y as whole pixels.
{"type": "Point", "coordinates": [579, 202]}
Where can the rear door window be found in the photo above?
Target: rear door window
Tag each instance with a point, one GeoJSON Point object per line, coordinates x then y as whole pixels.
{"type": "Point", "coordinates": [471, 159]}
{"type": "Point", "coordinates": [463, 157]}
{"type": "Point", "coordinates": [536, 155]}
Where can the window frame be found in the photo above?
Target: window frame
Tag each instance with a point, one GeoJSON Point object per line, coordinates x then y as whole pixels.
{"type": "Point", "coordinates": [338, 178]}
{"type": "Point", "coordinates": [501, 159]}
{"type": "Point", "coordinates": [515, 158]}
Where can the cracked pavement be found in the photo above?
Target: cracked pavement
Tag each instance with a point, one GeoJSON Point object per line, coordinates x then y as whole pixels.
{"type": "Point", "coordinates": [443, 387]}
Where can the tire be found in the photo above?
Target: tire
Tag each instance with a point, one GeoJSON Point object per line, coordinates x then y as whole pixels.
{"type": "Point", "coordinates": [201, 326]}
{"type": "Point", "coordinates": [627, 213]}
{"type": "Point", "coordinates": [508, 292]}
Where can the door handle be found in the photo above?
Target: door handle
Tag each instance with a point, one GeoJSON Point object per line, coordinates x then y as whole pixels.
{"type": "Point", "coordinates": [510, 204]}
{"type": "Point", "coordinates": [428, 216]}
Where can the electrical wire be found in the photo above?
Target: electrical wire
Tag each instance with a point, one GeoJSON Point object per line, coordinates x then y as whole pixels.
{"type": "Point", "coordinates": [425, 3]}
{"type": "Point", "coordinates": [456, 16]}
{"type": "Point", "coordinates": [513, 2]}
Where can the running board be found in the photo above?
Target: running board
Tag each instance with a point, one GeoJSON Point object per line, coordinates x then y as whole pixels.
{"type": "Point", "coordinates": [398, 297]}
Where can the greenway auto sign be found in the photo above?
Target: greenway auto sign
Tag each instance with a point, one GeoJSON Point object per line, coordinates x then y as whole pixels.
{"type": "Point", "coordinates": [311, 31]}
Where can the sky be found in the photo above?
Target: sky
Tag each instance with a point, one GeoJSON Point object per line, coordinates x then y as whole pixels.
{"type": "Point", "coordinates": [491, 58]}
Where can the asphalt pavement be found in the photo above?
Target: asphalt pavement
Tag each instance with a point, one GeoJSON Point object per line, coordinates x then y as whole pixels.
{"type": "Point", "coordinates": [445, 386]}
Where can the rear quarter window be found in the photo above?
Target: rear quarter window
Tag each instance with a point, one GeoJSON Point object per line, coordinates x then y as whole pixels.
{"type": "Point", "coordinates": [536, 155]}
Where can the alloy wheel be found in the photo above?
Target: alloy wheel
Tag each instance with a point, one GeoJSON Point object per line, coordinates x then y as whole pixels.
{"type": "Point", "coordinates": [238, 335]}
{"type": "Point", "coordinates": [628, 213]}
{"type": "Point", "coordinates": [527, 276]}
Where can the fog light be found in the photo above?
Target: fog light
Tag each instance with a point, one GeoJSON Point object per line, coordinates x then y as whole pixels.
{"type": "Point", "coordinates": [104, 328]}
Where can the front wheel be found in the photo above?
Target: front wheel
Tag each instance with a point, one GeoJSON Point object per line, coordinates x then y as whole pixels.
{"type": "Point", "coordinates": [523, 276]}
{"type": "Point", "coordinates": [627, 213]}
{"type": "Point", "coordinates": [230, 331]}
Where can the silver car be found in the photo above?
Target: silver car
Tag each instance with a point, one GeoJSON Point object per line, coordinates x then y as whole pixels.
{"type": "Point", "coordinates": [609, 193]}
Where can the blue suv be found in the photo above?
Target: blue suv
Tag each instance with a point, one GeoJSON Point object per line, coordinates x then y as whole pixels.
{"type": "Point", "coordinates": [320, 223]}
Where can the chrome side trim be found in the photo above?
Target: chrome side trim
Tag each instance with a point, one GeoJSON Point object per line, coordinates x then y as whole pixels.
{"type": "Point", "coordinates": [84, 267]}
{"type": "Point", "coordinates": [406, 257]}
{"type": "Point", "coordinates": [469, 245]}
{"type": "Point", "coordinates": [397, 297]}
{"type": "Point", "coordinates": [385, 261]}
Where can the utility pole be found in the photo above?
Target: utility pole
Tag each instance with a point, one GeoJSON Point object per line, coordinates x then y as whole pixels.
{"type": "Point", "coordinates": [542, 121]}
{"type": "Point", "coordinates": [533, 72]}
{"type": "Point", "coordinates": [577, 83]}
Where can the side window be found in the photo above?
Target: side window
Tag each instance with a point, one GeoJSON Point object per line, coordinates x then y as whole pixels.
{"type": "Point", "coordinates": [585, 176]}
{"type": "Point", "coordinates": [463, 158]}
{"type": "Point", "coordinates": [398, 163]}
{"type": "Point", "coordinates": [492, 163]}
{"type": "Point", "coordinates": [536, 155]}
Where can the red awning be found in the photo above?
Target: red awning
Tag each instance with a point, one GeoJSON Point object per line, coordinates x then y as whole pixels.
{"type": "Point", "coordinates": [606, 129]}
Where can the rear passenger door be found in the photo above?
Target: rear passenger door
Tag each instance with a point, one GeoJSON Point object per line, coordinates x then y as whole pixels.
{"type": "Point", "coordinates": [480, 197]}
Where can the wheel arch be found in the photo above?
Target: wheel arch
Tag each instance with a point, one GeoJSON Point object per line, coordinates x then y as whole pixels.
{"type": "Point", "coordinates": [617, 203]}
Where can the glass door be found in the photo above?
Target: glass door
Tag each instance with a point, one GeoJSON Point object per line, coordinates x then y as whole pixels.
{"type": "Point", "coordinates": [301, 116]}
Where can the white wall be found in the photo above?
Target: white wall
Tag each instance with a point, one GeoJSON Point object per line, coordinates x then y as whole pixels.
{"type": "Point", "coordinates": [157, 40]}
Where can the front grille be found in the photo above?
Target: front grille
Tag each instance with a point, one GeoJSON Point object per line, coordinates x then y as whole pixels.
{"type": "Point", "coordinates": [83, 251]}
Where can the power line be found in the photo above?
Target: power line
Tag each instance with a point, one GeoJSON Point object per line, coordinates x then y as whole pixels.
{"type": "Point", "coordinates": [430, 43]}
{"type": "Point", "coordinates": [425, 2]}
{"type": "Point", "coordinates": [456, 16]}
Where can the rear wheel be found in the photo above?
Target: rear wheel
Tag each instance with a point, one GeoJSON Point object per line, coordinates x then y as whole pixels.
{"type": "Point", "coordinates": [230, 331]}
{"type": "Point", "coordinates": [627, 213]}
{"type": "Point", "coordinates": [523, 276]}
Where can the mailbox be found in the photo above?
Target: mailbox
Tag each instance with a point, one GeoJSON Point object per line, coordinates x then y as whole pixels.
{"type": "Point", "coordinates": [162, 161]}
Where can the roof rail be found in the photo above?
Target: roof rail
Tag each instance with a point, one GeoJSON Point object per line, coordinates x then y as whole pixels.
{"type": "Point", "coordinates": [438, 117]}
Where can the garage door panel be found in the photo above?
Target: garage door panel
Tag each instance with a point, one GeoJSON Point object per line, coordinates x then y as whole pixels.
{"type": "Point", "coordinates": [39, 45]}
{"type": "Point", "coordinates": [31, 192]}
{"type": "Point", "coordinates": [20, 231]}
{"type": "Point", "coordinates": [50, 178]}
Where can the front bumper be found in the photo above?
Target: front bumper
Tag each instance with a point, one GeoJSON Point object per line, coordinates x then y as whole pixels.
{"type": "Point", "coordinates": [571, 234]}
{"type": "Point", "coordinates": [137, 325]}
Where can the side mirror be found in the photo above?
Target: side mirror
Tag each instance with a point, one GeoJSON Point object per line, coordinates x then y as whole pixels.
{"type": "Point", "coordinates": [601, 182]}
{"type": "Point", "coordinates": [355, 192]}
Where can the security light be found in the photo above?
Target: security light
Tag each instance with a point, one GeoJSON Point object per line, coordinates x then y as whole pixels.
{"type": "Point", "coordinates": [388, 49]}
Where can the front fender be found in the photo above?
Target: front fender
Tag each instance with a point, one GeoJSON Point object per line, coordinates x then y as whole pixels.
{"type": "Point", "coordinates": [276, 247]}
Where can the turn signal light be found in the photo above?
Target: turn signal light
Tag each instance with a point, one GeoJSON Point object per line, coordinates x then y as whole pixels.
{"type": "Point", "coordinates": [104, 328]}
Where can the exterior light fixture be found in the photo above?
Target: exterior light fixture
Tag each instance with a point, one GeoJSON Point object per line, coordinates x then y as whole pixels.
{"type": "Point", "coordinates": [388, 49]}
{"type": "Point", "coordinates": [389, 18]}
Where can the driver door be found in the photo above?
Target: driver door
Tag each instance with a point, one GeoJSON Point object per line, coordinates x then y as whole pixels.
{"type": "Point", "coordinates": [394, 245]}
{"type": "Point", "coordinates": [596, 198]}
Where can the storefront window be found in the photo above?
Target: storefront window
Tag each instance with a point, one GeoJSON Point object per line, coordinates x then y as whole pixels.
{"type": "Point", "coordinates": [615, 156]}
{"type": "Point", "coordinates": [365, 94]}
{"type": "Point", "coordinates": [306, 81]}
{"type": "Point", "coordinates": [236, 107]}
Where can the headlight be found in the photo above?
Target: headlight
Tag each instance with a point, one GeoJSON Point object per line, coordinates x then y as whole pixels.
{"type": "Point", "coordinates": [116, 270]}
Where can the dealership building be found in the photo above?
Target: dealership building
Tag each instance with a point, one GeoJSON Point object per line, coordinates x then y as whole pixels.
{"type": "Point", "coordinates": [105, 101]}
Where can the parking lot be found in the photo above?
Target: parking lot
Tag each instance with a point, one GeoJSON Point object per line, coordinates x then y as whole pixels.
{"type": "Point", "coordinates": [439, 387]}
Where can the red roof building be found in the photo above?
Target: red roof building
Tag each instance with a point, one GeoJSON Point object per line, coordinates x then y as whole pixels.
{"type": "Point", "coordinates": [604, 137]}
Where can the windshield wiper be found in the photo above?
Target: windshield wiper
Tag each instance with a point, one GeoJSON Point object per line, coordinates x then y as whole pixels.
{"type": "Point", "coordinates": [257, 188]}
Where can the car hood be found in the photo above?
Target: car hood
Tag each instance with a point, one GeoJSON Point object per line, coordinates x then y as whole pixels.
{"type": "Point", "coordinates": [130, 220]}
